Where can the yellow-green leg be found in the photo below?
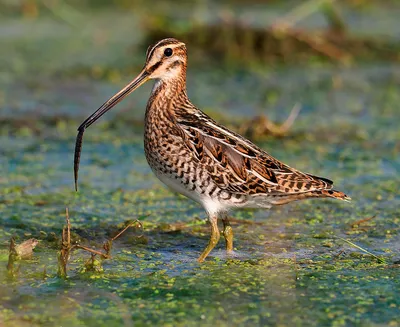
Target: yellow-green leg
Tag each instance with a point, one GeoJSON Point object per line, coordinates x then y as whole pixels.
{"type": "Point", "coordinates": [228, 234]}
{"type": "Point", "coordinates": [214, 238]}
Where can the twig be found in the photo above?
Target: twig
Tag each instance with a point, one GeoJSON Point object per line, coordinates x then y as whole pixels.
{"type": "Point", "coordinates": [67, 232]}
{"type": "Point", "coordinates": [284, 25]}
{"type": "Point", "coordinates": [284, 128]}
{"type": "Point", "coordinates": [297, 14]}
{"type": "Point", "coordinates": [359, 222]}
{"type": "Point", "coordinates": [90, 265]}
{"type": "Point", "coordinates": [104, 255]}
{"type": "Point", "coordinates": [295, 266]}
{"type": "Point", "coordinates": [262, 125]}
{"type": "Point", "coordinates": [339, 254]}
{"type": "Point", "coordinates": [128, 226]}
{"type": "Point", "coordinates": [64, 254]}
{"type": "Point", "coordinates": [12, 257]}
{"type": "Point", "coordinates": [320, 44]}
{"type": "Point", "coordinates": [380, 260]}
{"type": "Point", "coordinates": [107, 246]}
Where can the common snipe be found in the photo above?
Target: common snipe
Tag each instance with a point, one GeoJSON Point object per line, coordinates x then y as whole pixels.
{"type": "Point", "coordinates": [197, 157]}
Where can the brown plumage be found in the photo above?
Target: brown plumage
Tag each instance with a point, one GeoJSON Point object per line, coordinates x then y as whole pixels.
{"type": "Point", "coordinates": [195, 156]}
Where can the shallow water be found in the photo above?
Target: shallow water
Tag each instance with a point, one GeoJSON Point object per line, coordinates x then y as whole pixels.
{"type": "Point", "coordinates": [290, 266]}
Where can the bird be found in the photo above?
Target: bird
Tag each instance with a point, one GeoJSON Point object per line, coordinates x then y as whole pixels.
{"type": "Point", "coordinates": [196, 156]}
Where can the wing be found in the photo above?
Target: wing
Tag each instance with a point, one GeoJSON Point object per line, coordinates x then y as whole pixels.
{"type": "Point", "coordinates": [239, 166]}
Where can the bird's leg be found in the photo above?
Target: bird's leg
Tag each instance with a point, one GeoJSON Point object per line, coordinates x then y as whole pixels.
{"type": "Point", "coordinates": [228, 234]}
{"type": "Point", "coordinates": [214, 238]}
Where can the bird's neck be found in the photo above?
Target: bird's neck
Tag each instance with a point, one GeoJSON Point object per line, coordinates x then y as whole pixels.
{"type": "Point", "coordinates": [171, 86]}
{"type": "Point", "coordinates": [167, 96]}
{"type": "Point", "coordinates": [169, 89]}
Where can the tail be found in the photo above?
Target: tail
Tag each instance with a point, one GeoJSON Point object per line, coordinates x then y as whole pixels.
{"type": "Point", "coordinates": [326, 193]}
{"type": "Point", "coordinates": [334, 194]}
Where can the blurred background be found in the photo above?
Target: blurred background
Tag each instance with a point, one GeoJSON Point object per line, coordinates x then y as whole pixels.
{"type": "Point", "coordinates": [250, 63]}
{"type": "Point", "coordinates": [58, 57]}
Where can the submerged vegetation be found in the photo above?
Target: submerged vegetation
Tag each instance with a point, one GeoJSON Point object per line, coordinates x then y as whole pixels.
{"type": "Point", "coordinates": [91, 265]}
{"type": "Point", "coordinates": [127, 253]}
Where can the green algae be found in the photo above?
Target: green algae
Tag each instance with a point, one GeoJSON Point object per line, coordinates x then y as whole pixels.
{"type": "Point", "coordinates": [289, 266]}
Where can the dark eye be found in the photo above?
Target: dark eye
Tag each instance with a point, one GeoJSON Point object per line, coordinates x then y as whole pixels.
{"type": "Point", "coordinates": [168, 52]}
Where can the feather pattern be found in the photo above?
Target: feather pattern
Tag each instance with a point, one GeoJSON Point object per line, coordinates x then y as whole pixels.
{"type": "Point", "coordinates": [244, 167]}
{"type": "Point", "coordinates": [201, 159]}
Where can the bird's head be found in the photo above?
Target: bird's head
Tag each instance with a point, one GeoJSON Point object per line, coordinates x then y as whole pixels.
{"type": "Point", "coordinates": [165, 61]}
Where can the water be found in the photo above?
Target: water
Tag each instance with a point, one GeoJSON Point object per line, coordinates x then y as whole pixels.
{"type": "Point", "coordinates": [290, 266]}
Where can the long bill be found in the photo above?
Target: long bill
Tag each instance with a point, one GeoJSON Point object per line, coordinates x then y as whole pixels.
{"type": "Point", "coordinates": [109, 104]}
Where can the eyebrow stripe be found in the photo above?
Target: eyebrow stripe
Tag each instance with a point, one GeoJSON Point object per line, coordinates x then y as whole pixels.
{"type": "Point", "coordinates": [161, 43]}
